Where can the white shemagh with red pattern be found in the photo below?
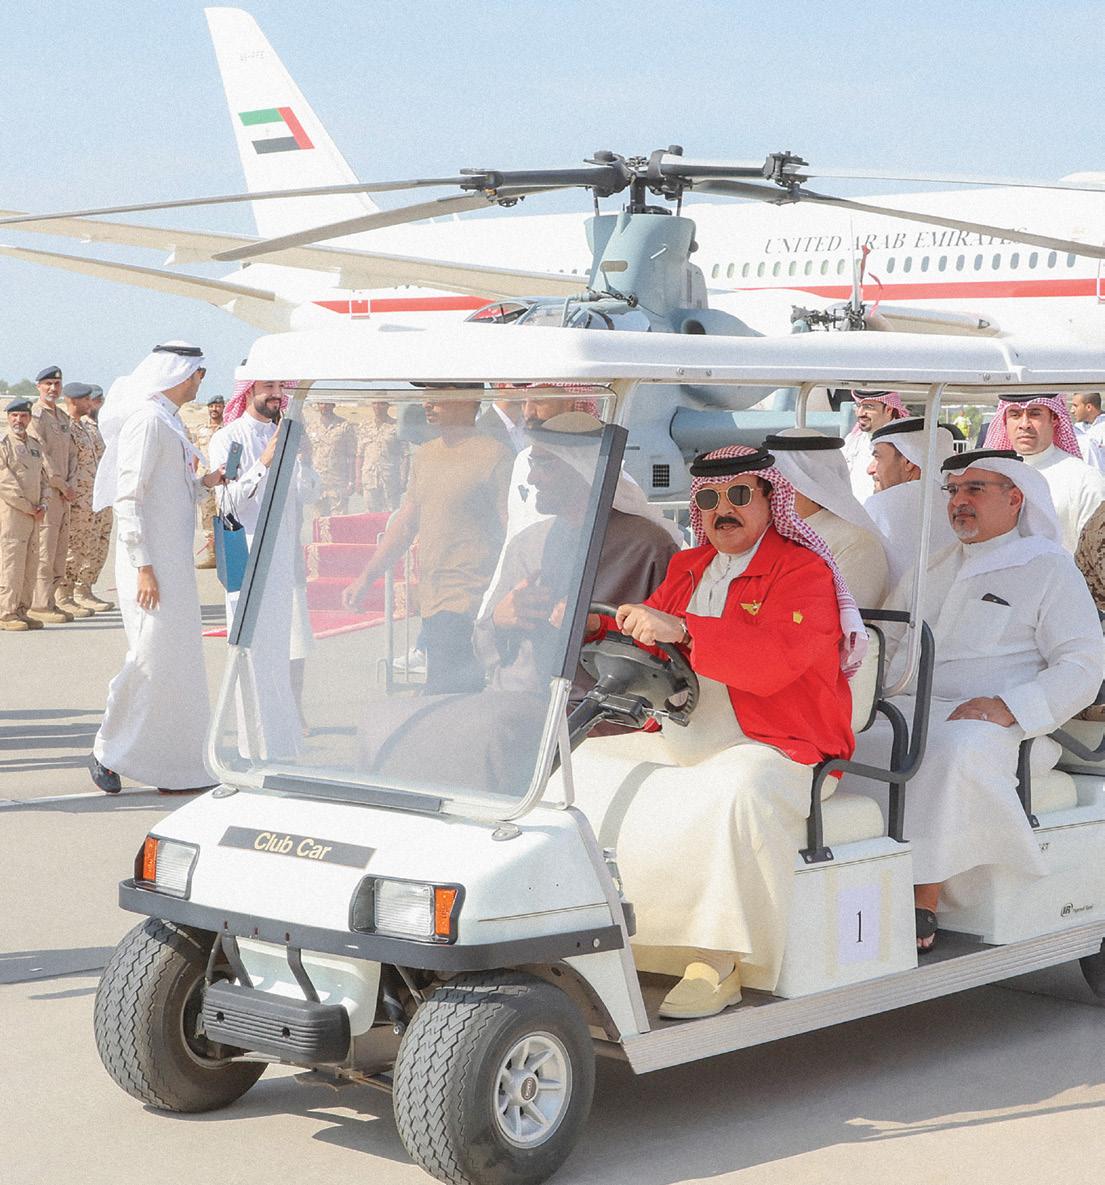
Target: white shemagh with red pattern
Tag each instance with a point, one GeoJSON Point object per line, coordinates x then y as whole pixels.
{"type": "Point", "coordinates": [890, 399]}
{"type": "Point", "coordinates": [791, 526]}
{"type": "Point", "coordinates": [997, 435]}
{"type": "Point", "coordinates": [236, 404]}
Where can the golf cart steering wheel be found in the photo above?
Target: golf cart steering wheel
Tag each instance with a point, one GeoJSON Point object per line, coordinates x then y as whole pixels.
{"type": "Point", "coordinates": [625, 673]}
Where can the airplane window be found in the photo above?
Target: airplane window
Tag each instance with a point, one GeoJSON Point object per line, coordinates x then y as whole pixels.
{"type": "Point", "coordinates": [809, 266]}
{"type": "Point", "coordinates": [978, 263]}
{"type": "Point", "coordinates": [890, 265]}
{"type": "Point", "coordinates": [996, 262]}
{"type": "Point", "coordinates": [730, 270]}
{"type": "Point", "coordinates": [792, 268]}
{"type": "Point", "coordinates": [960, 261]}
{"type": "Point", "coordinates": [1015, 259]}
{"type": "Point", "coordinates": [1071, 260]}
{"type": "Point", "coordinates": [824, 267]}
{"type": "Point", "coordinates": [760, 269]}
{"type": "Point", "coordinates": [1033, 259]}
{"type": "Point", "coordinates": [908, 264]}
{"type": "Point", "coordinates": [1051, 258]}
{"type": "Point", "coordinates": [776, 268]}
{"type": "Point", "coordinates": [924, 263]}
{"type": "Point", "coordinates": [943, 264]}
{"type": "Point", "coordinates": [714, 271]}
{"type": "Point", "coordinates": [745, 269]}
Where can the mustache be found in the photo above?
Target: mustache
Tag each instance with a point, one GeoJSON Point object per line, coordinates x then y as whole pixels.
{"type": "Point", "coordinates": [728, 520]}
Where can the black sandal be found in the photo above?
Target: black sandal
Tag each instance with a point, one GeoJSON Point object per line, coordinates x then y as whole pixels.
{"type": "Point", "coordinates": [925, 921]}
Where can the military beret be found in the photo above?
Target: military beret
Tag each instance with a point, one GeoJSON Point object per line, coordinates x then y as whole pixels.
{"type": "Point", "coordinates": [51, 372]}
{"type": "Point", "coordinates": [216, 399]}
{"type": "Point", "coordinates": [97, 392]}
{"type": "Point", "coordinates": [76, 390]}
{"type": "Point", "coordinates": [19, 405]}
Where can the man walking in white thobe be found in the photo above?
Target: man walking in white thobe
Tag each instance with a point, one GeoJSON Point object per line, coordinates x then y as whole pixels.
{"type": "Point", "coordinates": [155, 722]}
{"type": "Point", "coordinates": [1018, 652]}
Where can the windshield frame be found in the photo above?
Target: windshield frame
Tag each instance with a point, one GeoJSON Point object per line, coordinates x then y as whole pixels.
{"type": "Point", "coordinates": [280, 778]}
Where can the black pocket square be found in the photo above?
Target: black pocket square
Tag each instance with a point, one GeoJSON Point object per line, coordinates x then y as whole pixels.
{"type": "Point", "coordinates": [995, 600]}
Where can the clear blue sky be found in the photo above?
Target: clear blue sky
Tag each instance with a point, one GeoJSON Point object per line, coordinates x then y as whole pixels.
{"type": "Point", "coordinates": [108, 102]}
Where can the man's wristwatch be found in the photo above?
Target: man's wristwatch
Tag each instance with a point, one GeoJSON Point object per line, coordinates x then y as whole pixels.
{"type": "Point", "coordinates": [685, 640]}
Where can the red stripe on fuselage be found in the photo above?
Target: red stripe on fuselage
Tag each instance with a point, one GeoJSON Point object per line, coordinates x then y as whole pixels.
{"type": "Point", "coordinates": [944, 289]}
{"type": "Point", "coordinates": [405, 304]}
{"type": "Point", "coordinates": [295, 127]}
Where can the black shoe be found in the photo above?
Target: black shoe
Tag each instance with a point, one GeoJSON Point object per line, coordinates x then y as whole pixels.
{"type": "Point", "coordinates": [187, 789]}
{"type": "Point", "coordinates": [107, 779]}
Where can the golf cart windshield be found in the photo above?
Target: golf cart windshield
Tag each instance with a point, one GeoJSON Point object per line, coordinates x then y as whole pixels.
{"type": "Point", "coordinates": [420, 568]}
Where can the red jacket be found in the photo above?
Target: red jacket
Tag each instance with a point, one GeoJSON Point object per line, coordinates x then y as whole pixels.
{"type": "Point", "coordinates": [776, 646]}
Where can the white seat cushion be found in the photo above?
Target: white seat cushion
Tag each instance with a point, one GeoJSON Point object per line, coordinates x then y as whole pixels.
{"type": "Point", "coordinates": [1053, 791]}
{"type": "Point", "coordinates": [865, 683]}
{"type": "Point", "coordinates": [850, 817]}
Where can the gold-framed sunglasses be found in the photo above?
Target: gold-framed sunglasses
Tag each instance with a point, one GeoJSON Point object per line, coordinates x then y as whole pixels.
{"type": "Point", "coordinates": [710, 498]}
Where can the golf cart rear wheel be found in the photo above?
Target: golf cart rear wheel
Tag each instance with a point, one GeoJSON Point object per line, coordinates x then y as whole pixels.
{"type": "Point", "coordinates": [146, 1020]}
{"type": "Point", "coordinates": [493, 1081]}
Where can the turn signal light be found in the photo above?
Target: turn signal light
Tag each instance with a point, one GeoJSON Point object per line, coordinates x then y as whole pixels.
{"type": "Point", "coordinates": [165, 865]}
{"type": "Point", "coordinates": [444, 902]}
{"type": "Point", "coordinates": [149, 859]}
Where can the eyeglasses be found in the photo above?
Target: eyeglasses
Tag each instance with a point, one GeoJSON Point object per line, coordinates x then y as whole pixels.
{"type": "Point", "coordinates": [710, 499]}
{"type": "Point", "coordinates": [972, 488]}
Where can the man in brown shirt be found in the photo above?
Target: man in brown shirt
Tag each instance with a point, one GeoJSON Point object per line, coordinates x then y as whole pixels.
{"type": "Point", "coordinates": [455, 505]}
{"type": "Point", "coordinates": [22, 508]}
{"type": "Point", "coordinates": [51, 429]}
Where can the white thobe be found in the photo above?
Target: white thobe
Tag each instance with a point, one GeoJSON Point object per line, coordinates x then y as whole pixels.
{"type": "Point", "coordinates": [1091, 441]}
{"type": "Point", "coordinates": [155, 722]}
{"type": "Point", "coordinates": [1011, 617]}
{"type": "Point", "coordinates": [277, 723]}
{"type": "Point", "coordinates": [857, 456]}
{"type": "Point", "coordinates": [860, 555]}
{"type": "Point", "coordinates": [1076, 489]}
{"type": "Point", "coordinates": [707, 858]}
{"type": "Point", "coordinates": [897, 513]}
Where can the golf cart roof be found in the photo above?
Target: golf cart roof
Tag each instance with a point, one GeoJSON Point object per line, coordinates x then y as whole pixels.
{"type": "Point", "coordinates": [972, 367]}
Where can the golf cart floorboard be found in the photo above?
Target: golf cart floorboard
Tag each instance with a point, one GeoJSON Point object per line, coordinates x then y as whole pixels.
{"type": "Point", "coordinates": [960, 962]}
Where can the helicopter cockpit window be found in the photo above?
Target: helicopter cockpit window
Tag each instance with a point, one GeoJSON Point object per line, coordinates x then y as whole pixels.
{"type": "Point", "coordinates": [419, 566]}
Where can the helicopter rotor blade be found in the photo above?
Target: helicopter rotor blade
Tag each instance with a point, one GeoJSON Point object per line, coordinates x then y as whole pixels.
{"type": "Point", "coordinates": [417, 213]}
{"type": "Point", "coordinates": [769, 194]}
{"type": "Point", "coordinates": [803, 173]}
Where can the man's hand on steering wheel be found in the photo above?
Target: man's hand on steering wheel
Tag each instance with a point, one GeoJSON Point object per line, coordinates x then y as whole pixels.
{"type": "Point", "coordinates": [649, 626]}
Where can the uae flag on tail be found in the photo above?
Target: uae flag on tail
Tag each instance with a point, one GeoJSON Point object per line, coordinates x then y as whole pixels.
{"type": "Point", "coordinates": [275, 129]}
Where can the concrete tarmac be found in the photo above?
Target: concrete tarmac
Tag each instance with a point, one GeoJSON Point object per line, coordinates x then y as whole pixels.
{"type": "Point", "coordinates": [1001, 1084]}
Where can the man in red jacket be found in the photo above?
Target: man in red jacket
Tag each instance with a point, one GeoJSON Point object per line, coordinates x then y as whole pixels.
{"type": "Point", "coordinates": [773, 634]}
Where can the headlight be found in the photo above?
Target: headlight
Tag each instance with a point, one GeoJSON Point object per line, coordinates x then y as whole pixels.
{"type": "Point", "coordinates": [166, 865]}
{"type": "Point", "coordinates": [406, 909]}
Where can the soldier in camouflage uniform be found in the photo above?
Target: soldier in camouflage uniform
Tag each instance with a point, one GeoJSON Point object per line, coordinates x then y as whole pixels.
{"type": "Point", "coordinates": [201, 438]}
{"type": "Point", "coordinates": [23, 495]}
{"type": "Point", "coordinates": [334, 449]}
{"type": "Point", "coordinates": [74, 593]}
{"type": "Point", "coordinates": [50, 428]}
{"type": "Point", "coordinates": [381, 460]}
{"type": "Point", "coordinates": [101, 519]}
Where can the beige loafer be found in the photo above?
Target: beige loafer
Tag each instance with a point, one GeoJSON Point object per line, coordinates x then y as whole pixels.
{"type": "Point", "coordinates": [701, 992]}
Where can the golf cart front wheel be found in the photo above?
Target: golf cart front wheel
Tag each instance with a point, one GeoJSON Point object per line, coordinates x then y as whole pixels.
{"type": "Point", "coordinates": [493, 1081]}
{"type": "Point", "coordinates": [147, 1021]}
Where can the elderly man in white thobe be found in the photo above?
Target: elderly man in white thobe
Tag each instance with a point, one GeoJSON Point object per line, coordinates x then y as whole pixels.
{"type": "Point", "coordinates": [898, 470]}
{"type": "Point", "coordinates": [874, 410]}
{"type": "Point", "coordinates": [1039, 429]}
{"type": "Point", "coordinates": [155, 722]}
{"type": "Point", "coordinates": [1018, 652]}
{"type": "Point", "coordinates": [813, 463]}
{"type": "Point", "coordinates": [250, 419]}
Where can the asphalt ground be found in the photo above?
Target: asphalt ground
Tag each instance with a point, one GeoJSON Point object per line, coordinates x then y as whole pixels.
{"type": "Point", "coordinates": [1000, 1084]}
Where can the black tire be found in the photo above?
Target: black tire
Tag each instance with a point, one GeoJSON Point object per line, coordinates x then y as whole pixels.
{"type": "Point", "coordinates": [1093, 971]}
{"type": "Point", "coordinates": [148, 999]}
{"type": "Point", "coordinates": [447, 1079]}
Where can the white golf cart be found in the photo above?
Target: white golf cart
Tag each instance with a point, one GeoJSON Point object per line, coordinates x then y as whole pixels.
{"type": "Point", "coordinates": [392, 885]}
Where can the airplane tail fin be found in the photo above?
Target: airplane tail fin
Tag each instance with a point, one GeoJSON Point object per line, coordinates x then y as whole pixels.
{"type": "Point", "coordinates": [280, 139]}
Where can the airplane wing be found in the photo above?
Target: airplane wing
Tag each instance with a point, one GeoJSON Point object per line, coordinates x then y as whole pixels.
{"type": "Point", "coordinates": [260, 308]}
{"type": "Point", "coordinates": [355, 269]}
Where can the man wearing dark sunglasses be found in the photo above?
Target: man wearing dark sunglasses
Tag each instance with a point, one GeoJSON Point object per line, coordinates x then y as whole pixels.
{"type": "Point", "coordinates": [773, 635]}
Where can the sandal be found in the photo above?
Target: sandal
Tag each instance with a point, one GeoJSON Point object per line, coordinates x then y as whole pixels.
{"type": "Point", "coordinates": [925, 921]}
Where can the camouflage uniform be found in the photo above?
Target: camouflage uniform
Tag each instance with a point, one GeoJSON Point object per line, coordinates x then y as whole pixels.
{"type": "Point", "coordinates": [101, 519]}
{"type": "Point", "coordinates": [201, 438]}
{"type": "Point", "coordinates": [381, 463]}
{"type": "Point", "coordinates": [23, 490]}
{"type": "Point", "coordinates": [51, 431]}
{"type": "Point", "coordinates": [76, 586]}
{"type": "Point", "coordinates": [334, 448]}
